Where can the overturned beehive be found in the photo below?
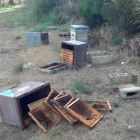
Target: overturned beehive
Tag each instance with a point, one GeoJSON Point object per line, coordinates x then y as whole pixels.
{"type": "Point", "coordinates": [14, 102]}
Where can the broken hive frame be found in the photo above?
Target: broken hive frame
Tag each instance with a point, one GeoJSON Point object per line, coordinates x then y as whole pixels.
{"type": "Point", "coordinates": [45, 117]}
{"type": "Point", "coordinates": [84, 112]}
{"type": "Point", "coordinates": [49, 99]}
{"type": "Point", "coordinates": [99, 105]}
{"type": "Point", "coordinates": [60, 102]}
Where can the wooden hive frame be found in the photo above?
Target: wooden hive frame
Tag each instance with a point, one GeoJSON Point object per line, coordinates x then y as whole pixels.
{"type": "Point", "coordinates": [45, 117]}
{"type": "Point", "coordinates": [99, 105]}
{"type": "Point", "coordinates": [67, 56]}
{"type": "Point", "coordinates": [60, 102]}
{"type": "Point", "coordinates": [50, 98]}
{"type": "Point", "coordinates": [84, 112]}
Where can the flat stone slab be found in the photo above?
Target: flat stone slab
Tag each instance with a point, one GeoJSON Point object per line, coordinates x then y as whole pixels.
{"type": "Point", "coordinates": [130, 93]}
{"type": "Point", "coordinates": [94, 53]}
{"type": "Point", "coordinates": [122, 78]}
{"type": "Point", "coordinates": [102, 59]}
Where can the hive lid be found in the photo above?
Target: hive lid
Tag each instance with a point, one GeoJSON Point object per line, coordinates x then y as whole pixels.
{"type": "Point", "coordinates": [79, 27]}
{"type": "Point", "coordinates": [22, 89]}
{"type": "Point", "coordinates": [75, 42]}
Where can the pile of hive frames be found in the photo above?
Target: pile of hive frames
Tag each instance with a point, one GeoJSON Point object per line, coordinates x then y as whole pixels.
{"type": "Point", "coordinates": [58, 106]}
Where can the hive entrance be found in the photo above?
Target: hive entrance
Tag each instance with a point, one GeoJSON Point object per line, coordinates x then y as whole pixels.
{"type": "Point", "coordinates": [132, 93]}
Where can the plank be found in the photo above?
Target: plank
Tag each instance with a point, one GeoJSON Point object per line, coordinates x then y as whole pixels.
{"type": "Point", "coordinates": [33, 105]}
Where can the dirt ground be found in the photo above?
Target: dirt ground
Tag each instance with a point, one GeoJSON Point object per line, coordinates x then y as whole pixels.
{"type": "Point", "coordinates": [113, 126]}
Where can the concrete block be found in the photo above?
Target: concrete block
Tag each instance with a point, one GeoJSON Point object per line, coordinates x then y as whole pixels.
{"type": "Point", "coordinates": [103, 59]}
{"type": "Point", "coordinates": [94, 53]}
{"type": "Point", "coordinates": [122, 78]}
{"type": "Point", "coordinates": [37, 39]}
{"type": "Point", "coordinates": [130, 93]}
{"type": "Point", "coordinates": [33, 39]}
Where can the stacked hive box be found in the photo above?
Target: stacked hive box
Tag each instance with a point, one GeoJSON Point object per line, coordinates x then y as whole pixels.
{"type": "Point", "coordinates": [79, 33]}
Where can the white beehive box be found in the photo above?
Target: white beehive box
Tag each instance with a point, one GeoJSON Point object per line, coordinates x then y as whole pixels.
{"type": "Point", "coordinates": [79, 33]}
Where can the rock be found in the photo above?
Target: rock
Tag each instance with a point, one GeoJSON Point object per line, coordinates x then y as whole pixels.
{"type": "Point", "coordinates": [28, 65]}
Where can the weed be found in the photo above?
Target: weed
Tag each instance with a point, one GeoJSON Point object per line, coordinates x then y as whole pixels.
{"type": "Point", "coordinates": [80, 87]}
{"type": "Point", "coordinates": [19, 67]}
{"type": "Point", "coordinates": [56, 49]}
{"type": "Point", "coordinates": [64, 28]}
{"type": "Point", "coordinates": [18, 37]}
{"type": "Point", "coordinates": [117, 39]}
{"type": "Point", "coordinates": [115, 103]}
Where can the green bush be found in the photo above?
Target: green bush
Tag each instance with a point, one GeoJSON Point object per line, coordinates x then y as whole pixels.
{"type": "Point", "coordinates": [90, 12]}
{"type": "Point", "coordinates": [40, 8]}
{"type": "Point", "coordinates": [124, 12]}
{"type": "Point", "coordinates": [19, 67]}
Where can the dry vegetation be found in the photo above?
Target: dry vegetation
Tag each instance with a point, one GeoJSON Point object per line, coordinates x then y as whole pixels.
{"type": "Point", "coordinates": [113, 126]}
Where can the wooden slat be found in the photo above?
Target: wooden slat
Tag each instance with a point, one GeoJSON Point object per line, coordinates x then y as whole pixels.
{"type": "Point", "coordinates": [66, 50]}
{"type": "Point", "coordinates": [49, 99]}
{"type": "Point", "coordinates": [70, 56]}
{"type": "Point", "coordinates": [59, 104]}
{"type": "Point", "coordinates": [33, 105]}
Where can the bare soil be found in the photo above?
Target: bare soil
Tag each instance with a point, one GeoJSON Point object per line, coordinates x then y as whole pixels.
{"type": "Point", "coordinates": [113, 126]}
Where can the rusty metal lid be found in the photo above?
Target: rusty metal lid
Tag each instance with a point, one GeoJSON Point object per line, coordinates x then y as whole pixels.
{"type": "Point", "coordinates": [22, 89]}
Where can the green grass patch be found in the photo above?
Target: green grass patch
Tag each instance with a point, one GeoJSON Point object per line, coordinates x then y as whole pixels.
{"type": "Point", "coordinates": [64, 28]}
{"type": "Point", "coordinates": [80, 87]}
{"type": "Point", "coordinates": [56, 49]}
{"type": "Point", "coordinates": [115, 103]}
{"type": "Point", "coordinates": [19, 67]}
{"type": "Point", "coordinates": [117, 39]}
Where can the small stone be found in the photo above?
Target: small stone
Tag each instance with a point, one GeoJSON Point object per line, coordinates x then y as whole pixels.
{"type": "Point", "coordinates": [28, 65]}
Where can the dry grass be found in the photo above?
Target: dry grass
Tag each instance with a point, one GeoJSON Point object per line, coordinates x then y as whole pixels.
{"type": "Point", "coordinates": [39, 55]}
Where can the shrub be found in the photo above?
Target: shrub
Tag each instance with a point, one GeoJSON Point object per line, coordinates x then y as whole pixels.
{"type": "Point", "coordinates": [19, 67]}
{"type": "Point", "coordinates": [124, 12]}
{"type": "Point", "coordinates": [115, 103]}
{"type": "Point", "coordinates": [117, 39]}
{"type": "Point", "coordinates": [90, 12]}
{"type": "Point", "coordinates": [18, 37]}
{"type": "Point", "coordinates": [80, 87]}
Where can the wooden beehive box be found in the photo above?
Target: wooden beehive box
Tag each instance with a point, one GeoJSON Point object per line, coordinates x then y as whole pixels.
{"type": "Point", "coordinates": [79, 33]}
{"type": "Point", "coordinates": [73, 53]}
{"type": "Point", "coordinates": [14, 102]}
